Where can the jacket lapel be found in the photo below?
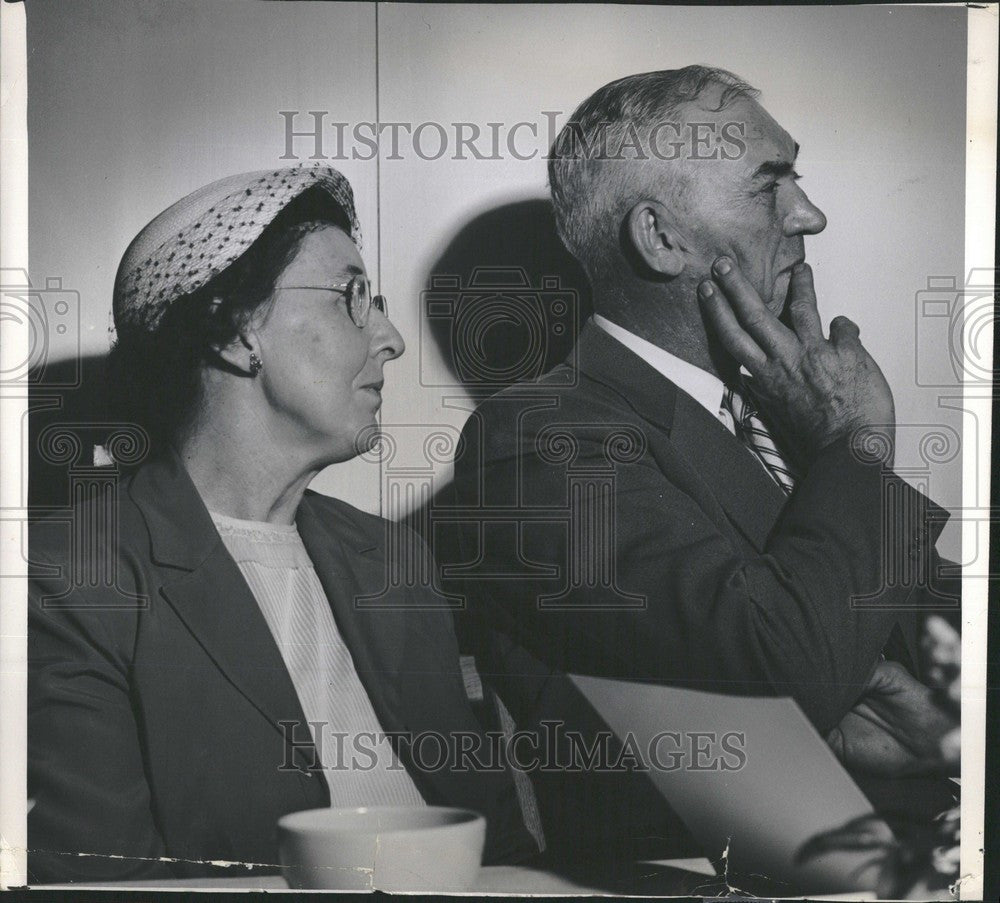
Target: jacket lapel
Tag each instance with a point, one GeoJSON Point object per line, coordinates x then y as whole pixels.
{"type": "Point", "coordinates": [724, 470]}
{"type": "Point", "coordinates": [352, 570]}
{"type": "Point", "coordinates": [750, 498]}
{"type": "Point", "coordinates": [350, 567]}
{"type": "Point", "coordinates": [211, 597]}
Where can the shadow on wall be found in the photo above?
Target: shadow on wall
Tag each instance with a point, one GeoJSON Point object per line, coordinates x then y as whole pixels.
{"type": "Point", "coordinates": [70, 413]}
{"type": "Point", "coordinates": [504, 301]}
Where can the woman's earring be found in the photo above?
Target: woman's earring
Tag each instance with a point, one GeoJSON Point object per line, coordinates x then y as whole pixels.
{"type": "Point", "coordinates": [256, 365]}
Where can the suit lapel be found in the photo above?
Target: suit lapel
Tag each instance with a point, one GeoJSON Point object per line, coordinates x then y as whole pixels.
{"type": "Point", "coordinates": [211, 597]}
{"type": "Point", "coordinates": [724, 469]}
{"type": "Point", "coordinates": [750, 498]}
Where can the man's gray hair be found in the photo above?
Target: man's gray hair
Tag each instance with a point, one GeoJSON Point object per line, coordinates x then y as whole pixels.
{"type": "Point", "coordinates": [593, 181]}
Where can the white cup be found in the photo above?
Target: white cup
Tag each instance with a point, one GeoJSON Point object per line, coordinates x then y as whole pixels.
{"type": "Point", "coordinates": [391, 848]}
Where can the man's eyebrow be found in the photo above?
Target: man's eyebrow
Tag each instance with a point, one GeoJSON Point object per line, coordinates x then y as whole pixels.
{"type": "Point", "coordinates": [775, 169]}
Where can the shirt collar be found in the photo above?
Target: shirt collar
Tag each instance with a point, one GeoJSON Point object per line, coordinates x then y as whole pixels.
{"type": "Point", "coordinates": [704, 387]}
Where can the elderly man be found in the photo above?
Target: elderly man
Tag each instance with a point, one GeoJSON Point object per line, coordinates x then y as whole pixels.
{"type": "Point", "coordinates": [677, 519]}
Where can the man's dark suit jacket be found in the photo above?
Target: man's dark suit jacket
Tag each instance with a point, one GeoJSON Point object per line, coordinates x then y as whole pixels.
{"type": "Point", "coordinates": [153, 724]}
{"type": "Point", "coordinates": [619, 529]}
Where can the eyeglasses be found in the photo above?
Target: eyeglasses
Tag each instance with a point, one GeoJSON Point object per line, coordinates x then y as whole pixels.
{"type": "Point", "coordinates": [360, 300]}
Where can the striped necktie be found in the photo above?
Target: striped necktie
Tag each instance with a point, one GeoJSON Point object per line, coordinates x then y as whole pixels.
{"type": "Point", "coordinates": [754, 435]}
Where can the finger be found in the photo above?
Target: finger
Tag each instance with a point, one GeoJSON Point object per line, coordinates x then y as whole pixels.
{"type": "Point", "coordinates": [835, 740]}
{"type": "Point", "coordinates": [843, 330]}
{"type": "Point", "coordinates": [802, 304]}
{"type": "Point", "coordinates": [877, 680]}
{"type": "Point", "coordinates": [763, 326]}
{"type": "Point", "coordinates": [941, 634]}
{"type": "Point", "coordinates": [732, 336]}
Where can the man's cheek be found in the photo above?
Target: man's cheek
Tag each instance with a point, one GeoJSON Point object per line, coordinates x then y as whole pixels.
{"type": "Point", "coordinates": [779, 294]}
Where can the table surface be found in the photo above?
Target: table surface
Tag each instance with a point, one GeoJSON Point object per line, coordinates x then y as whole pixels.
{"type": "Point", "coordinates": [492, 879]}
{"type": "Point", "coordinates": [693, 877]}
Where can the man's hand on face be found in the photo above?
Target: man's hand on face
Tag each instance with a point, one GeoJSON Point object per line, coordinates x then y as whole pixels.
{"type": "Point", "coordinates": [813, 390]}
{"type": "Point", "coordinates": [897, 728]}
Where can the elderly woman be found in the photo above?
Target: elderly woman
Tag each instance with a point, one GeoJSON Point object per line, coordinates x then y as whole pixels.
{"type": "Point", "coordinates": [249, 656]}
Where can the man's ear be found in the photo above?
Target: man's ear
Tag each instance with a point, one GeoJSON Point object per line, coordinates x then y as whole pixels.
{"type": "Point", "coordinates": [650, 230]}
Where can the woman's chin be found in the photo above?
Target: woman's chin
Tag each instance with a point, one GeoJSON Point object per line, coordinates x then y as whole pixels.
{"type": "Point", "coordinates": [368, 440]}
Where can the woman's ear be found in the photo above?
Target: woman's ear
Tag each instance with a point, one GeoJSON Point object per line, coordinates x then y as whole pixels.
{"type": "Point", "coordinates": [238, 354]}
{"type": "Point", "coordinates": [650, 231]}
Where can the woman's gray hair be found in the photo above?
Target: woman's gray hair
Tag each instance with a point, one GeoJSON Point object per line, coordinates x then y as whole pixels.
{"type": "Point", "coordinates": [604, 158]}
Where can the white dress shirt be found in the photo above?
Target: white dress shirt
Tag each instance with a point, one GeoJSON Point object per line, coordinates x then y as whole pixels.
{"type": "Point", "coordinates": [704, 387]}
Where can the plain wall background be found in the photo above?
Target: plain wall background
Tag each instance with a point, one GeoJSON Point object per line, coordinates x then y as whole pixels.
{"type": "Point", "coordinates": [132, 105]}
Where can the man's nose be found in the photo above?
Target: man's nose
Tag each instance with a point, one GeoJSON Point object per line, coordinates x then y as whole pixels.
{"type": "Point", "coordinates": [386, 339]}
{"type": "Point", "coordinates": [804, 217]}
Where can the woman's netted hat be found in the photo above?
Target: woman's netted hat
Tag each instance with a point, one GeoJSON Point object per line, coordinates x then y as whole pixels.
{"type": "Point", "coordinates": [201, 235]}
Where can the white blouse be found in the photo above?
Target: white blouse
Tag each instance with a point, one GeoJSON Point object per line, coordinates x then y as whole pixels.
{"type": "Point", "coordinates": [359, 763]}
